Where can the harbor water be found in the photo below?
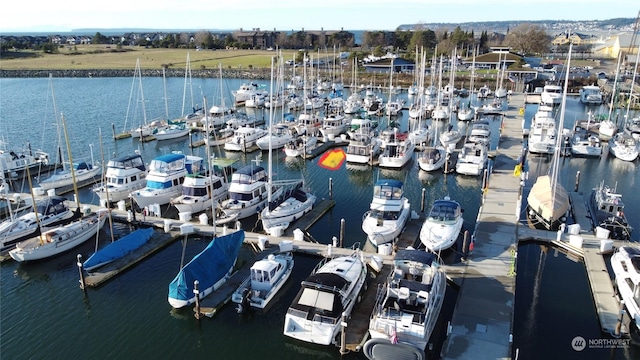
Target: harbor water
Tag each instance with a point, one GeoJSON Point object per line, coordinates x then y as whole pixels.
{"type": "Point", "coordinates": [44, 312]}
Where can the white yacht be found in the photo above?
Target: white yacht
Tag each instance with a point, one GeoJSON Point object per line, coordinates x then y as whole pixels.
{"type": "Point", "coordinates": [408, 306]}
{"type": "Point", "coordinates": [291, 206]}
{"type": "Point", "coordinates": [328, 294]}
{"type": "Point", "coordinates": [624, 147]}
{"type": "Point", "coordinates": [266, 278]}
{"type": "Point", "coordinates": [333, 125]}
{"type": "Point", "coordinates": [480, 132]}
{"type": "Point", "coordinates": [442, 226]}
{"type": "Point", "coordinates": [12, 162]}
{"type": "Point", "coordinates": [432, 158]}
{"type": "Point", "coordinates": [591, 95]}
{"type": "Point", "coordinates": [472, 159]}
{"type": "Point", "coordinates": [279, 135]}
{"type": "Point", "coordinates": [165, 178]}
{"type": "Point", "coordinates": [397, 152]}
{"type": "Point", "coordinates": [585, 143]}
{"type": "Point", "coordinates": [244, 139]}
{"type": "Point", "coordinates": [200, 192]}
{"type": "Point", "coordinates": [551, 95]}
{"type": "Point", "coordinates": [362, 149]}
{"type": "Point", "coordinates": [388, 212]}
{"type": "Point", "coordinates": [124, 174]}
{"type": "Point", "coordinates": [246, 91]}
{"type": "Point", "coordinates": [625, 263]}
{"type": "Point", "coordinates": [542, 135]}
{"type": "Point", "coordinates": [248, 192]}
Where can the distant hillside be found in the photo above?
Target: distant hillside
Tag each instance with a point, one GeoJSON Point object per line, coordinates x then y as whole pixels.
{"type": "Point", "coordinates": [552, 26]}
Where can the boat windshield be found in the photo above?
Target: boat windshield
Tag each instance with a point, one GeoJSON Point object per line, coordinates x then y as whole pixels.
{"type": "Point", "coordinates": [443, 213]}
{"type": "Point", "coordinates": [240, 196]}
{"type": "Point", "coordinates": [387, 192]}
{"type": "Point", "coordinates": [159, 185]}
{"type": "Point", "coordinates": [191, 191]}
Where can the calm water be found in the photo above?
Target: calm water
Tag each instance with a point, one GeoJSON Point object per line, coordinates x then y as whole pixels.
{"type": "Point", "coordinates": [129, 316]}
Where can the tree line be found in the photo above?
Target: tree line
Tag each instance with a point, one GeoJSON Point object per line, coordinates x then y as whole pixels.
{"type": "Point", "coordinates": [526, 38]}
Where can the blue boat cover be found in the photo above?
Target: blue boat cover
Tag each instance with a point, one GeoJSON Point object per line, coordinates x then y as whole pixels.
{"type": "Point", "coordinates": [118, 249]}
{"type": "Point", "coordinates": [208, 267]}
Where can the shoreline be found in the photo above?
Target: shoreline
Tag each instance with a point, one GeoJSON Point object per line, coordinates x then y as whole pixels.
{"type": "Point", "coordinates": [258, 74]}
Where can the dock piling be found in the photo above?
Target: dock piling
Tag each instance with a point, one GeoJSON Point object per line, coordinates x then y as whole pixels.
{"type": "Point", "coordinates": [424, 194]}
{"type": "Point", "coordinates": [577, 181]}
{"type": "Point", "coordinates": [342, 229]}
{"type": "Point", "coordinates": [343, 340]}
{"type": "Point", "coordinates": [618, 330]}
{"type": "Point", "coordinates": [465, 245]}
{"type": "Point", "coordinates": [331, 188]}
{"type": "Point", "coordinates": [196, 291]}
{"type": "Point", "coordinates": [79, 263]}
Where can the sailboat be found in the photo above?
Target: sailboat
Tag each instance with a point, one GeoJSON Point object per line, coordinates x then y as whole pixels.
{"type": "Point", "coordinates": [60, 239]}
{"type": "Point", "coordinates": [212, 267]}
{"type": "Point", "coordinates": [293, 203]}
{"type": "Point", "coordinates": [146, 128]}
{"type": "Point", "coordinates": [71, 173]}
{"type": "Point", "coordinates": [548, 201]}
{"type": "Point", "coordinates": [501, 92]}
{"type": "Point", "coordinates": [118, 249]}
{"type": "Point", "coordinates": [49, 212]}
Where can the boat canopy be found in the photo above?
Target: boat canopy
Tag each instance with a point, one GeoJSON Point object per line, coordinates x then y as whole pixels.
{"type": "Point", "coordinates": [388, 189]}
{"type": "Point", "coordinates": [208, 267]}
{"type": "Point", "coordinates": [249, 175]}
{"type": "Point", "coordinates": [119, 248]}
{"type": "Point", "coordinates": [168, 162]}
{"type": "Point", "coordinates": [127, 162]}
{"type": "Point", "coordinates": [51, 205]}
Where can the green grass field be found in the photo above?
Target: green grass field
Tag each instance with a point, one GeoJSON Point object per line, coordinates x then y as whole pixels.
{"type": "Point", "coordinates": [105, 57]}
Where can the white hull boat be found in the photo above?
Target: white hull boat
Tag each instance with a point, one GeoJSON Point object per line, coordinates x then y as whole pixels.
{"type": "Point", "coordinates": [60, 239]}
{"type": "Point", "coordinates": [265, 280]}
{"type": "Point", "coordinates": [388, 212]}
{"type": "Point", "coordinates": [124, 174]}
{"type": "Point", "coordinates": [408, 306]}
{"type": "Point", "coordinates": [625, 263]}
{"type": "Point", "coordinates": [165, 178]}
{"type": "Point", "coordinates": [328, 294]}
{"type": "Point", "coordinates": [442, 226]}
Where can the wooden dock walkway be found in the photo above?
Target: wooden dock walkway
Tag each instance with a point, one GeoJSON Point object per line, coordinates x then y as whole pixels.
{"type": "Point", "coordinates": [357, 331]}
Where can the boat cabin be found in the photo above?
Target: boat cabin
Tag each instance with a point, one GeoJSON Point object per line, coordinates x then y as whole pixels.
{"type": "Point", "coordinates": [264, 273]}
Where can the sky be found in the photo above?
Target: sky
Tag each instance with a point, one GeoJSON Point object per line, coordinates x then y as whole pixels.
{"type": "Point", "coordinates": [55, 16]}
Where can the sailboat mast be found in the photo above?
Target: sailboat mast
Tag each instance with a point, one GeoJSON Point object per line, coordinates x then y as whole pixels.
{"type": "Point", "coordinates": [556, 156]}
{"type": "Point", "coordinates": [270, 138]}
{"type": "Point", "coordinates": [73, 172]}
{"type": "Point", "coordinates": [615, 84]}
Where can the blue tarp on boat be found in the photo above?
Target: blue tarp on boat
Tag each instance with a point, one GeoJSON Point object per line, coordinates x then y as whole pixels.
{"type": "Point", "coordinates": [118, 249]}
{"type": "Point", "coordinates": [208, 267]}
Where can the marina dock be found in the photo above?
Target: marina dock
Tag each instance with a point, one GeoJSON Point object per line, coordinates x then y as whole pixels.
{"type": "Point", "coordinates": [482, 320]}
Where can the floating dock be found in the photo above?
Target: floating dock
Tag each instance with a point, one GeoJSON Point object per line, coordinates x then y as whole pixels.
{"type": "Point", "coordinates": [483, 316]}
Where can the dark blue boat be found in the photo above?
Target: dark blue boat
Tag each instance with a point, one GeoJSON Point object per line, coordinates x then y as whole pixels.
{"type": "Point", "coordinates": [118, 249]}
